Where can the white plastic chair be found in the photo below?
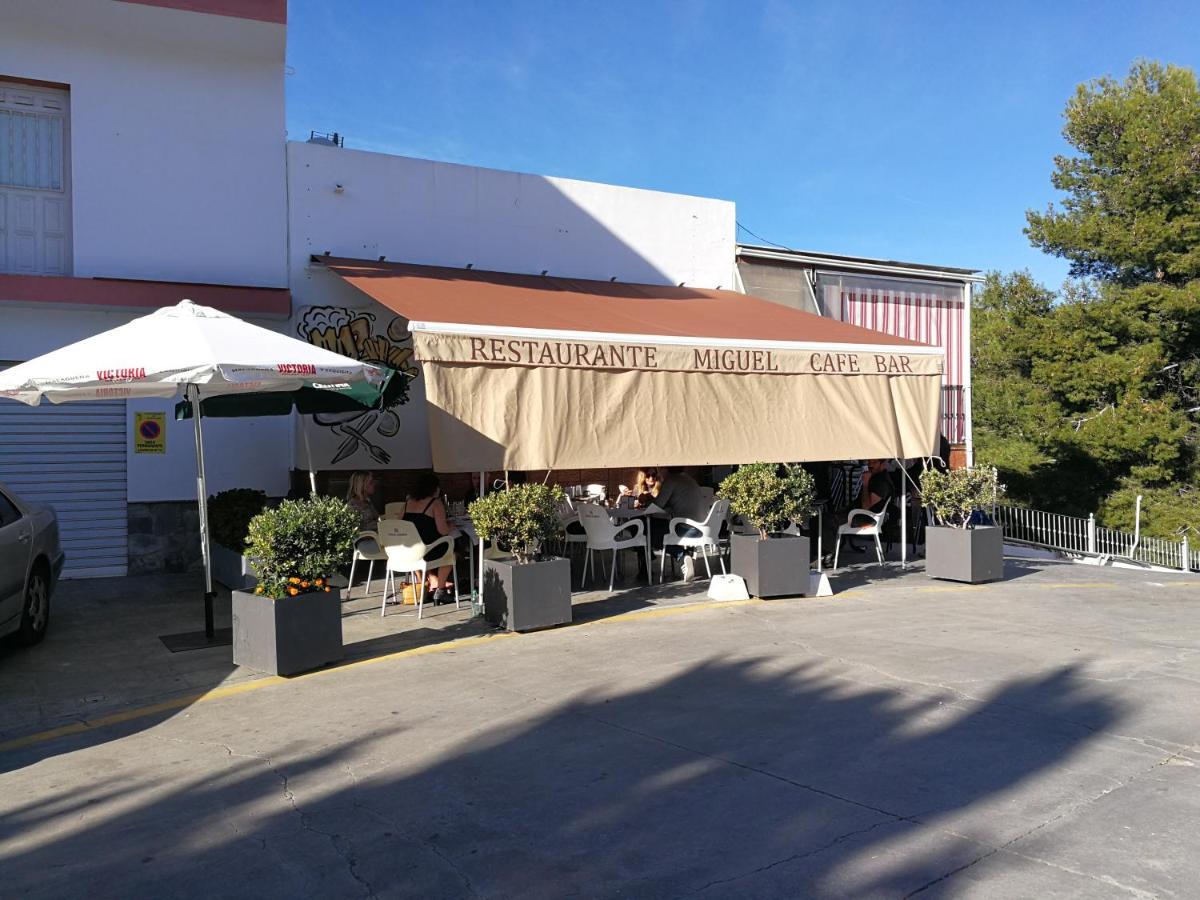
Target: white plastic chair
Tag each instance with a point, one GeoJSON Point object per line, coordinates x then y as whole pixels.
{"type": "Point", "coordinates": [395, 510]}
{"type": "Point", "coordinates": [873, 530]}
{"type": "Point", "coordinates": [603, 534]}
{"type": "Point", "coordinates": [406, 554]}
{"type": "Point", "coordinates": [708, 538]}
{"type": "Point", "coordinates": [708, 495]}
{"type": "Point", "coordinates": [363, 551]}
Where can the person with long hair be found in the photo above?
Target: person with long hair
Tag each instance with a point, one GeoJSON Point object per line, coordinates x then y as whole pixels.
{"type": "Point", "coordinates": [645, 487]}
{"type": "Point", "coordinates": [358, 498]}
{"type": "Point", "coordinates": [425, 509]}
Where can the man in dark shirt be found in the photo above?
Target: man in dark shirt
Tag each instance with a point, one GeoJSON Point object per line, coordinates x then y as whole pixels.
{"type": "Point", "coordinates": [681, 498]}
{"type": "Point", "coordinates": [878, 488]}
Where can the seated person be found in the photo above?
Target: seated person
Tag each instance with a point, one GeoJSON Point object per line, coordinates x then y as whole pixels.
{"type": "Point", "coordinates": [359, 499]}
{"type": "Point", "coordinates": [878, 488]}
{"type": "Point", "coordinates": [645, 488]}
{"type": "Point", "coordinates": [424, 508]}
{"type": "Point", "coordinates": [680, 497]}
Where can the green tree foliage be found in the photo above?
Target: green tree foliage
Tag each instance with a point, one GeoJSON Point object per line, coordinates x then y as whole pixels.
{"type": "Point", "coordinates": [1087, 399]}
{"type": "Point", "coordinates": [957, 493]}
{"type": "Point", "coordinates": [522, 518]}
{"type": "Point", "coordinates": [769, 496]}
{"type": "Point", "coordinates": [1131, 211]}
{"type": "Point", "coordinates": [297, 545]}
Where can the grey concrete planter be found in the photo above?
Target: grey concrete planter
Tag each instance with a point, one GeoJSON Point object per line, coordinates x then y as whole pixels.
{"type": "Point", "coordinates": [232, 569]}
{"type": "Point", "coordinates": [971, 555]}
{"type": "Point", "coordinates": [527, 596]}
{"type": "Point", "coordinates": [776, 567]}
{"type": "Point", "coordinates": [289, 636]}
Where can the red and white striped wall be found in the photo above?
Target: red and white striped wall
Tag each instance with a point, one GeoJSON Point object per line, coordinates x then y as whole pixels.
{"type": "Point", "coordinates": [928, 312]}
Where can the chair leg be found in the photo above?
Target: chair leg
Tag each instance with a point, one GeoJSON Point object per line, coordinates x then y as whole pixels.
{"type": "Point", "coordinates": [837, 549]}
{"type": "Point", "coordinates": [370, 572]}
{"type": "Point", "coordinates": [387, 579]}
{"type": "Point", "coordinates": [421, 595]}
{"type": "Point", "coordinates": [649, 564]}
{"type": "Point", "coordinates": [457, 592]}
{"type": "Point", "coordinates": [353, 563]}
{"type": "Point", "coordinates": [587, 565]}
{"type": "Point", "coordinates": [707, 564]}
{"type": "Point", "coordinates": [612, 572]}
{"type": "Point", "coordinates": [878, 550]}
{"type": "Point", "coordinates": [721, 560]}
{"type": "Point", "coordinates": [662, 565]}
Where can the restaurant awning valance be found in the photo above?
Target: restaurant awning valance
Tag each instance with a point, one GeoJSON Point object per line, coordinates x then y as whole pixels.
{"type": "Point", "coordinates": [535, 372]}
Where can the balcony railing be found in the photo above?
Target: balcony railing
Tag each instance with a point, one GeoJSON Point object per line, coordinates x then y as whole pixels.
{"type": "Point", "coordinates": [954, 413]}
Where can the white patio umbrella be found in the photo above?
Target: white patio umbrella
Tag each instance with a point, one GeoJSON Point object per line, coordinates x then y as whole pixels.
{"type": "Point", "coordinates": [184, 349]}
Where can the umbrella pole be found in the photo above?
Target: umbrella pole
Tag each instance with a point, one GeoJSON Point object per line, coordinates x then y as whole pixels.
{"type": "Point", "coordinates": [312, 472]}
{"type": "Point", "coordinates": [202, 501]}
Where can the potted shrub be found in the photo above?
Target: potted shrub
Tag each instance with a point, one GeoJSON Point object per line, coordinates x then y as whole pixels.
{"type": "Point", "coordinates": [229, 515]}
{"type": "Point", "coordinates": [768, 497]}
{"type": "Point", "coordinates": [959, 548]}
{"type": "Point", "coordinates": [292, 621]}
{"type": "Point", "coordinates": [527, 590]}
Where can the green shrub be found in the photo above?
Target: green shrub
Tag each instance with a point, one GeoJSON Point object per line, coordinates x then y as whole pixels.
{"type": "Point", "coordinates": [229, 515]}
{"type": "Point", "coordinates": [957, 493]}
{"type": "Point", "coordinates": [769, 496]}
{"type": "Point", "coordinates": [522, 518]}
{"type": "Point", "coordinates": [296, 546]}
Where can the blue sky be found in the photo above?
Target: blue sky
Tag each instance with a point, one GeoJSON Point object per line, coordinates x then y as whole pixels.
{"type": "Point", "coordinates": [913, 131]}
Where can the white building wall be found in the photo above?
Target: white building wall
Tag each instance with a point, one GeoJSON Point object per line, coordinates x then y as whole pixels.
{"type": "Point", "coordinates": [366, 205]}
{"type": "Point", "coordinates": [177, 131]}
{"type": "Point", "coordinates": [177, 174]}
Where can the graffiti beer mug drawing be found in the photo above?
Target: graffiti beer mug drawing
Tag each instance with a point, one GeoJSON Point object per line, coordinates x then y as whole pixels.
{"type": "Point", "coordinates": [352, 332]}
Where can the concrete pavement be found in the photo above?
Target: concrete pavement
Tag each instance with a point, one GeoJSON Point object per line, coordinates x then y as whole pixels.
{"type": "Point", "coordinates": [1036, 737]}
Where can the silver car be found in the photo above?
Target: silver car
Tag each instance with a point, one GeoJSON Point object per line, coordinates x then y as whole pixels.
{"type": "Point", "coordinates": [31, 560]}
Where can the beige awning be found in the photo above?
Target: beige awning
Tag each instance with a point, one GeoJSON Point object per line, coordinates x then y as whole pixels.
{"type": "Point", "coordinates": [525, 372]}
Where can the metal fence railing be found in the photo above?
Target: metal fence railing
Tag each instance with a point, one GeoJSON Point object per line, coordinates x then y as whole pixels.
{"type": "Point", "coordinates": [1074, 534]}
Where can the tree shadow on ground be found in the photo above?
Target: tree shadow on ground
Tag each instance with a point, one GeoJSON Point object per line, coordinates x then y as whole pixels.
{"type": "Point", "coordinates": [732, 778]}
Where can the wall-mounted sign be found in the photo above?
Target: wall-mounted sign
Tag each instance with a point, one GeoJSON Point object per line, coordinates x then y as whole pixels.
{"type": "Point", "coordinates": [149, 432]}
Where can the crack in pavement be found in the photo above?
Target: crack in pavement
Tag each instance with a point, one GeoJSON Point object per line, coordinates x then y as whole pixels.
{"type": "Point", "coordinates": [1005, 847]}
{"type": "Point", "coordinates": [792, 858]}
{"type": "Point", "coordinates": [341, 845]}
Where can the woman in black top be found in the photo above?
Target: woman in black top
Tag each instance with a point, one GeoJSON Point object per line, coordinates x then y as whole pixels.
{"type": "Point", "coordinates": [424, 508]}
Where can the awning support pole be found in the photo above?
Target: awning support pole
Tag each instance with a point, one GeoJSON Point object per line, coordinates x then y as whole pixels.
{"type": "Point", "coordinates": [482, 476]}
{"type": "Point", "coordinates": [202, 501]}
{"type": "Point", "coordinates": [903, 514]}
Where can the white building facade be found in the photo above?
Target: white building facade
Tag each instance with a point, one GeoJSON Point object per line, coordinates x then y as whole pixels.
{"type": "Point", "coordinates": [153, 165]}
{"type": "Point", "coordinates": [146, 165]}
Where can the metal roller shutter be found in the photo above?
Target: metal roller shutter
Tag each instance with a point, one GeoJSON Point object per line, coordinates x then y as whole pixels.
{"type": "Point", "coordinates": [72, 457]}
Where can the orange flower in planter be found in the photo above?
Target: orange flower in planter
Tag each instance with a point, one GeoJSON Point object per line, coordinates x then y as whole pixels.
{"type": "Point", "coordinates": [320, 582]}
{"type": "Point", "coordinates": [293, 591]}
{"type": "Point", "coordinates": [293, 580]}
{"type": "Point", "coordinates": [305, 584]}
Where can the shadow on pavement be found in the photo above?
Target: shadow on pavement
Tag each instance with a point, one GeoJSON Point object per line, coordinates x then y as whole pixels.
{"type": "Point", "coordinates": [731, 778]}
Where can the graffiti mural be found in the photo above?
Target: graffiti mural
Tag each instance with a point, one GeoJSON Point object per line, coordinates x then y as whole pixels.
{"type": "Point", "coordinates": [359, 334]}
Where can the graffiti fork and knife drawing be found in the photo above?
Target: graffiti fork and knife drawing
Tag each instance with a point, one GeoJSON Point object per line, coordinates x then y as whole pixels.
{"type": "Point", "coordinates": [351, 332]}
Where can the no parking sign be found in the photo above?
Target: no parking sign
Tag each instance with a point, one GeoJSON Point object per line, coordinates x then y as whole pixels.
{"type": "Point", "coordinates": [149, 432]}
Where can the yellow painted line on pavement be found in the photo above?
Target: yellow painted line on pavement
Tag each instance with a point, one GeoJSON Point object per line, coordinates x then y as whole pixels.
{"type": "Point", "coordinates": [233, 690]}
{"type": "Point", "coordinates": [245, 687]}
{"type": "Point", "coordinates": [659, 612]}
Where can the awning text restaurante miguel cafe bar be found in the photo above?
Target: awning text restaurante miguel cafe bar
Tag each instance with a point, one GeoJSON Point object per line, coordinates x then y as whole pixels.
{"type": "Point", "coordinates": [535, 372]}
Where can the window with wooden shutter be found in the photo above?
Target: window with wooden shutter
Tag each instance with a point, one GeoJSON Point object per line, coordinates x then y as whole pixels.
{"type": "Point", "coordinates": [35, 200]}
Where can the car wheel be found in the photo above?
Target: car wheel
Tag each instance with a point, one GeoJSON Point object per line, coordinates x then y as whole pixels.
{"type": "Point", "coordinates": [36, 615]}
